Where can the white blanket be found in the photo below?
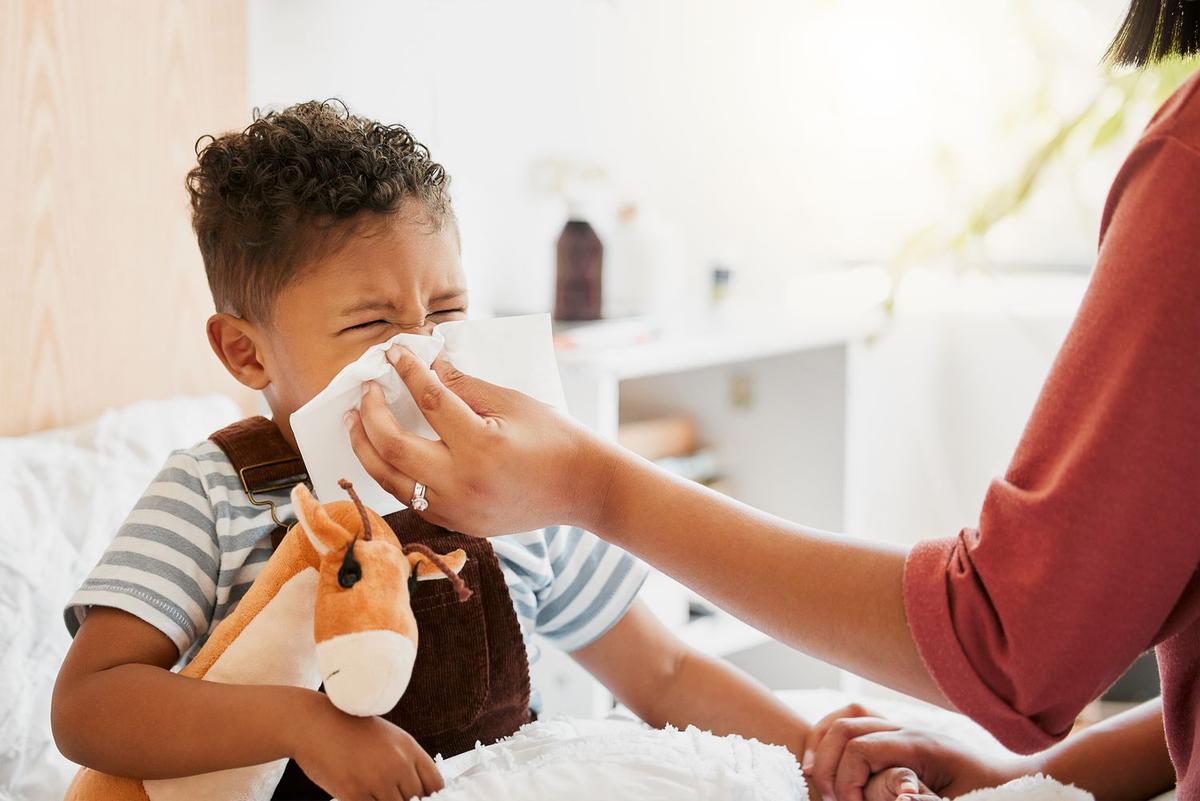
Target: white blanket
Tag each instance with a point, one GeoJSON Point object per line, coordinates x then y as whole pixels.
{"type": "Point", "coordinates": [586, 760]}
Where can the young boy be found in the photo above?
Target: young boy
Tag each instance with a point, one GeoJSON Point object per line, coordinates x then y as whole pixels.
{"type": "Point", "coordinates": [322, 234]}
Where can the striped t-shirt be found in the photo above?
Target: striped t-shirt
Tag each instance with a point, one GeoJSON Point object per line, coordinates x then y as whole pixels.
{"type": "Point", "coordinates": [194, 543]}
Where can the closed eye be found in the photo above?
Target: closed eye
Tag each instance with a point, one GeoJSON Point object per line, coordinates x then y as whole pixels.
{"type": "Point", "coordinates": [444, 314]}
{"type": "Point", "coordinates": [362, 326]}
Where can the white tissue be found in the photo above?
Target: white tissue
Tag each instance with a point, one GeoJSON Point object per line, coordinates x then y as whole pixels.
{"type": "Point", "coordinates": [515, 352]}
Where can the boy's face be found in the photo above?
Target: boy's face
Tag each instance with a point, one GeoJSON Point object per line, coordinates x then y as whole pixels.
{"type": "Point", "coordinates": [395, 276]}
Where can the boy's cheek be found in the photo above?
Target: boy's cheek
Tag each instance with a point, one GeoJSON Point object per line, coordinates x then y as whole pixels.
{"type": "Point", "coordinates": [317, 376]}
{"type": "Point", "coordinates": [312, 369]}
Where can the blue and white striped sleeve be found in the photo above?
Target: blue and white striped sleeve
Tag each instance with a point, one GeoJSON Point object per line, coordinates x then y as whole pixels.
{"type": "Point", "coordinates": [593, 585]}
{"type": "Point", "coordinates": [163, 564]}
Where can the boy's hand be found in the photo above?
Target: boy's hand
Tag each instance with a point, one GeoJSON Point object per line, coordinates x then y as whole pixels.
{"type": "Point", "coordinates": [852, 754]}
{"type": "Point", "coordinates": [898, 784]}
{"type": "Point", "coordinates": [362, 759]}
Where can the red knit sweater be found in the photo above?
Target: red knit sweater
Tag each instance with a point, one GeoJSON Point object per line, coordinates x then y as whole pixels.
{"type": "Point", "coordinates": [1088, 550]}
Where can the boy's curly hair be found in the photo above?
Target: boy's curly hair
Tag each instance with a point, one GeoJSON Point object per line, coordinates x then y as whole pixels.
{"type": "Point", "coordinates": [291, 188]}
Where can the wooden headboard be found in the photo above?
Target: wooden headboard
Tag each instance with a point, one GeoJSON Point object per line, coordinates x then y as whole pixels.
{"type": "Point", "coordinates": [102, 291]}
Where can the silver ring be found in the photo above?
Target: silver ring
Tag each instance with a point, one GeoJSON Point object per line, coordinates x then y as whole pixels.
{"type": "Point", "coordinates": [418, 502]}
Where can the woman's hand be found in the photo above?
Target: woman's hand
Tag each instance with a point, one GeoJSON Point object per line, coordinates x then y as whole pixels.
{"type": "Point", "coordinates": [362, 759]}
{"type": "Point", "coordinates": [505, 462]}
{"type": "Point", "coordinates": [891, 784]}
{"type": "Point", "coordinates": [850, 754]}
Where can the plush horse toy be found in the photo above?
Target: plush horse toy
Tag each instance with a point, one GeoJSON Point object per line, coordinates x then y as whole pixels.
{"type": "Point", "coordinates": [331, 606]}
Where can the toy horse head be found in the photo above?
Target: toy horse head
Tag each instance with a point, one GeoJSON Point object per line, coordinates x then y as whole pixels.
{"type": "Point", "coordinates": [365, 632]}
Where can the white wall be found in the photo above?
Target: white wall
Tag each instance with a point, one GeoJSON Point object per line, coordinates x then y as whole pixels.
{"type": "Point", "coordinates": [774, 134]}
{"type": "Point", "coordinates": [939, 400]}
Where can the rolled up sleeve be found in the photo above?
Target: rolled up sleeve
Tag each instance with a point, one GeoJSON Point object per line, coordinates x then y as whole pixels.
{"type": "Point", "coordinates": [1085, 548]}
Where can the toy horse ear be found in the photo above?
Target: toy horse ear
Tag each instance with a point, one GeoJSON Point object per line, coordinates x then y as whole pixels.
{"type": "Point", "coordinates": [324, 534]}
{"type": "Point", "coordinates": [425, 569]}
{"type": "Point", "coordinates": [424, 564]}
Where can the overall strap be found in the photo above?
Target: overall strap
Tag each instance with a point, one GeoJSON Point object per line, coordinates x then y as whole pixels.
{"type": "Point", "coordinates": [265, 462]}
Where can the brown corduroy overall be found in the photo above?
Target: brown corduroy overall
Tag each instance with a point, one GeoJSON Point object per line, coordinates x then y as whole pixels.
{"type": "Point", "coordinates": [471, 678]}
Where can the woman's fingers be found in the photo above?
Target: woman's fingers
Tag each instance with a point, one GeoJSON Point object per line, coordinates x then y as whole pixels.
{"type": "Point", "coordinates": [447, 414]}
{"type": "Point", "coordinates": [829, 753]}
{"type": "Point", "coordinates": [399, 448]}
{"type": "Point", "coordinates": [483, 398]}
{"type": "Point", "coordinates": [517, 467]}
{"type": "Point", "coordinates": [391, 478]}
{"type": "Point", "coordinates": [404, 449]}
{"type": "Point", "coordinates": [817, 733]}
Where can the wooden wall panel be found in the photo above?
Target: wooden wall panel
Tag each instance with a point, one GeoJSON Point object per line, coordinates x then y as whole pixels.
{"type": "Point", "coordinates": [102, 291]}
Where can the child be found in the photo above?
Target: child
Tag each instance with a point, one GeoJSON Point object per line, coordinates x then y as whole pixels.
{"type": "Point", "coordinates": [322, 234]}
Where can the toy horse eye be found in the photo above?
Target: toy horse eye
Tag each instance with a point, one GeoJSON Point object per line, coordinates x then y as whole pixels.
{"type": "Point", "coordinates": [350, 573]}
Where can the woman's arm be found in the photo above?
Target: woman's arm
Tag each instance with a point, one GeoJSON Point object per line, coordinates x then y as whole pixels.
{"type": "Point", "coordinates": [838, 598]}
{"type": "Point", "coordinates": [508, 463]}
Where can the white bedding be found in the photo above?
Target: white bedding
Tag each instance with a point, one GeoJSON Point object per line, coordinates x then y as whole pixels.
{"type": "Point", "coordinates": [580, 760]}
{"type": "Point", "coordinates": [591, 760]}
{"type": "Point", "coordinates": [585, 760]}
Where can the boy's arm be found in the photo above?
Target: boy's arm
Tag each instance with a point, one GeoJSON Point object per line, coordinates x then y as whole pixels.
{"type": "Point", "coordinates": [119, 709]}
{"type": "Point", "coordinates": [664, 681]}
{"type": "Point", "coordinates": [116, 698]}
{"type": "Point", "coordinates": [1123, 757]}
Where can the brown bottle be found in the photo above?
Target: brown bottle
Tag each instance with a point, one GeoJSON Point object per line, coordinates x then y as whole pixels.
{"type": "Point", "coordinates": [579, 277]}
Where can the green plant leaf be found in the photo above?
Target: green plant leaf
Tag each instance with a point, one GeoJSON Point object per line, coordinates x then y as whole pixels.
{"type": "Point", "coordinates": [1110, 129]}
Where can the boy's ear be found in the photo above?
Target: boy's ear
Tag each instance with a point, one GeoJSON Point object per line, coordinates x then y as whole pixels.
{"type": "Point", "coordinates": [426, 570]}
{"type": "Point", "coordinates": [235, 341]}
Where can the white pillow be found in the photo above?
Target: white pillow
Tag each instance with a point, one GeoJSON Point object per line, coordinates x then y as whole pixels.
{"type": "Point", "coordinates": [63, 494]}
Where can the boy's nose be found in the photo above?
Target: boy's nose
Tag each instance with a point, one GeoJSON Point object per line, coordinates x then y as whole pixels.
{"type": "Point", "coordinates": [366, 672]}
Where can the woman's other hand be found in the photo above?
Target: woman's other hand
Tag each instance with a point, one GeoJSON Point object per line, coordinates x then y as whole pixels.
{"type": "Point", "coordinates": [505, 462]}
{"type": "Point", "coordinates": [852, 754]}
